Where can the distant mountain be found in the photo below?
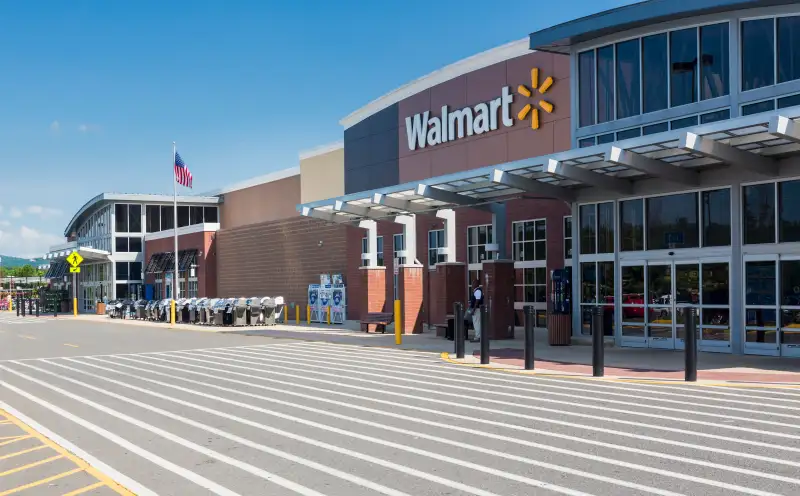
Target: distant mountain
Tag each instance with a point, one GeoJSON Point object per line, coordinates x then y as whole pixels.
{"type": "Point", "coordinates": [8, 261]}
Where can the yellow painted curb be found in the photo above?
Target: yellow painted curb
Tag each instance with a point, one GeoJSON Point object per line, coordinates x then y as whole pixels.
{"type": "Point", "coordinates": [446, 357]}
{"type": "Point", "coordinates": [82, 465]}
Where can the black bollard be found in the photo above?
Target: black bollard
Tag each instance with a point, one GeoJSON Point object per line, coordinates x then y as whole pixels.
{"type": "Point", "coordinates": [484, 335]}
{"type": "Point", "coordinates": [530, 316]}
{"type": "Point", "coordinates": [598, 350]}
{"type": "Point", "coordinates": [23, 306]}
{"type": "Point", "coordinates": [690, 343]}
{"type": "Point", "coordinates": [458, 315]}
{"type": "Point", "coordinates": [37, 308]}
{"type": "Point", "coordinates": [17, 302]}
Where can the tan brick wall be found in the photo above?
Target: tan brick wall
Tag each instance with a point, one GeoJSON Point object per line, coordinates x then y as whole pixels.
{"type": "Point", "coordinates": [262, 203]}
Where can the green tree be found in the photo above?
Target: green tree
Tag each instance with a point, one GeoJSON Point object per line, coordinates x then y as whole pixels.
{"type": "Point", "coordinates": [27, 270]}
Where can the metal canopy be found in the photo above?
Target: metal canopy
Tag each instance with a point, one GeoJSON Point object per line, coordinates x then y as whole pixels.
{"type": "Point", "coordinates": [753, 142]}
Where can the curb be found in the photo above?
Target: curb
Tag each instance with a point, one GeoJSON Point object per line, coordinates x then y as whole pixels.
{"type": "Point", "coordinates": [445, 356]}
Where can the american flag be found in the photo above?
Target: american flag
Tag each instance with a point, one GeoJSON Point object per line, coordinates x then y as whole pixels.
{"type": "Point", "coordinates": [182, 174]}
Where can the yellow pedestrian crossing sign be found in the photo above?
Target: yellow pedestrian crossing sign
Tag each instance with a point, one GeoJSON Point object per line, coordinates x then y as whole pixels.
{"type": "Point", "coordinates": [74, 270]}
{"type": "Point", "coordinates": [75, 260]}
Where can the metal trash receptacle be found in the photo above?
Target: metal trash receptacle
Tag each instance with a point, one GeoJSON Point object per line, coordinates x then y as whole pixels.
{"type": "Point", "coordinates": [268, 310]}
{"type": "Point", "coordinates": [219, 312]}
{"type": "Point", "coordinates": [207, 311]}
{"type": "Point", "coordinates": [254, 311]}
{"type": "Point", "coordinates": [194, 310]}
{"type": "Point", "coordinates": [280, 310]}
{"type": "Point", "coordinates": [239, 312]}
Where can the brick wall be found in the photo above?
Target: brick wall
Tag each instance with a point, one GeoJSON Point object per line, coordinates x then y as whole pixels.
{"type": "Point", "coordinates": [203, 242]}
{"type": "Point", "coordinates": [280, 258]}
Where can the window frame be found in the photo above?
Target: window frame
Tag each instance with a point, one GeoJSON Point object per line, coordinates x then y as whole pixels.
{"type": "Point", "coordinates": [535, 239]}
{"type": "Point", "coordinates": [433, 250]}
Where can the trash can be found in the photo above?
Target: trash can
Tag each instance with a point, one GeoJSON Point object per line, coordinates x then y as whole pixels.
{"type": "Point", "coordinates": [254, 311]}
{"type": "Point", "coordinates": [268, 309]}
{"type": "Point", "coordinates": [239, 312]}
{"type": "Point", "coordinates": [194, 312]}
{"type": "Point", "coordinates": [207, 311]}
{"type": "Point", "coordinates": [280, 310]}
{"type": "Point", "coordinates": [219, 312]}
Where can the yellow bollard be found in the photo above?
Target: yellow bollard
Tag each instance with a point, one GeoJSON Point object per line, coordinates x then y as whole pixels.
{"type": "Point", "coordinates": [398, 324]}
{"type": "Point", "coordinates": [75, 307]}
{"type": "Point", "coordinates": [297, 314]}
{"type": "Point", "coordinates": [329, 315]}
{"type": "Point", "coordinates": [172, 312]}
{"type": "Point", "coordinates": [308, 314]}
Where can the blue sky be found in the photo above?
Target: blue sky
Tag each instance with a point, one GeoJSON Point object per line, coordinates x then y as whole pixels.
{"type": "Point", "coordinates": [96, 91]}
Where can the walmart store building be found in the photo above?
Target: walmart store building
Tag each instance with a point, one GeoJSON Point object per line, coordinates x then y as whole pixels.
{"type": "Point", "coordinates": [653, 149]}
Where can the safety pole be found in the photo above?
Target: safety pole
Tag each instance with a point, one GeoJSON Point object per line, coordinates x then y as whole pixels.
{"type": "Point", "coordinates": [529, 336]}
{"type": "Point", "coordinates": [485, 348]}
{"type": "Point", "coordinates": [172, 312]}
{"type": "Point", "coordinates": [398, 323]}
{"type": "Point", "coordinates": [690, 344]}
{"type": "Point", "coordinates": [458, 315]}
{"type": "Point", "coordinates": [308, 314]}
{"type": "Point", "coordinates": [297, 314]}
{"type": "Point", "coordinates": [74, 294]}
{"type": "Point", "coordinates": [598, 350]}
{"type": "Point", "coordinates": [328, 312]}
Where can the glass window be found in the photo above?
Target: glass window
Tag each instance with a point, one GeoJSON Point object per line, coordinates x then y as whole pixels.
{"type": "Point", "coordinates": [683, 122]}
{"type": "Point", "coordinates": [586, 142]}
{"type": "Point", "coordinates": [788, 48]}
{"type": "Point", "coordinates": [789, 211]}
{"type": "Point", "coordinates": [628, 79]}
{"type": "Point", "coordinates": [605, 138]}
{"type": "Point", "coordinates": [531, 285]}
{"type": "Point", "coordinates": [757, 108]}
{"type": "Point", "coordinates": [588, 282]}
{"type": "Point", "coordinates": [122, 271]}
{"type": "Point", "coordinates": [381, 261]}
{"type": "Point", "coordinates": [121, 217]}
{"type": "Point", "coordinates": [719, 115]}
{"type": "Point", "coordinates": [605, 282]}
{"type": "Point", "coordinates": [122, 291]}
{"type": "Point", "coordinates": [758, 205]}
{"type": "Point", "coordinates": [672, 222]}
{"type": "Point", "coordinates": [714, 77]}
{"type": "Point", "coordinates": [167, 218]}
{"type": "Point", "coordinates": [435, 241]}
{"type": "Point", "coordinates": [135, 218]}
{"type": "Point", "coordinates": [529, 240]}
{"type": "Point", "coordinates": [588, 229]}
{"type": "Point", "coordinates": [210, 215]}
{"type": "Point", "coordinates": [683, 66]}
{"type": "Point", "coordinates": [605, 84]}
{"type": "Point", "coordinates": [655, 128]}
{"type": "Point", "coordinates": [153, 218]}
{"type": "Point", "coordinates": [121, 244]}
{"type": "Point", "coordinates": [654, 73]}
{"type": "Point", "coordinates": [629, 133]}
{"type": "Point", "coordinates": [135, 272]}
{"type": "Point", "coordinates": [195, 215]}
{"type": "Point", "coordinates": [790, 283]}
{"type": "Point", "coordinates": [716, 281]}
{"type": "Point", "coordinates": [477, 237]}
{"type": "Point", "coordinates": [586, 91]}
{"type": "Point", "coordinates": [760, 283]}
{"type": "Point", "coordinates": [135, 244]}
{"type": "Point", "coordinates": [568, 237]}
{"type": "Point", "coordinates": [183, 216]}
{"type": "Point", "coordinates": [758, 53]}
{"type": "Point", "coordinates": [605, 227]}
{"type": "Point", "coordinates": [716, 217]}
{"type": "Point", "coordinates": [631, 219]}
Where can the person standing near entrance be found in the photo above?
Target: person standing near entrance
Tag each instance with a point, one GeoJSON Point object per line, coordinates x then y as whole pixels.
{"type": "Point", "coordinates": [475, 307]}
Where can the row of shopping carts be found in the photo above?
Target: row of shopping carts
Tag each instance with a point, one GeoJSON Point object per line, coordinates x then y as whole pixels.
{"type": "Point", "coordinates": [204, 311]}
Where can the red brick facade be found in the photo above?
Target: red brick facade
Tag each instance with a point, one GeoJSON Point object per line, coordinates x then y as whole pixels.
{"type": "Point", "coordinates": [410, 294]}
{"type": "Point", "coordinates": [206, 271]}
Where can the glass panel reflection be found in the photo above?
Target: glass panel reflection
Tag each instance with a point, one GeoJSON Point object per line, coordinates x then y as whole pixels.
{"type": "Point", "coordinates": [790, 319]}
{"type": "Point", "coordinates": [654, 72]}
{"type": "Point", "coordinates": [631, 219]}
{"type": "Point", "coordinates": [790, 282]}
{"type": "Point", "coordinates": [683, 65]}
{"type": "Point", "coordinates": [716, 281]}
{"type": "Point", "coordinates": [714, 60]}
{"type": "Point", "coordinates": [758, 53]}
{"type": "Point", "coordinates": [605, 84]}
{"type": "Point", "coordinates": [627, 78]}
{"type": "Point", "coordinates": [659, 284]}
{"type": "Point", "coordinates": [672, 222]}
{"type": "Point", "coordinates": [588, 282]}
{"type": "Point", "coordinates": [687, 284]}
{"type": "Point", "coordinates": [633, 331]}
{"type": "Point", "coordinates": [759, 279]}
{"type": "Point", "coordinates": [790, 337]}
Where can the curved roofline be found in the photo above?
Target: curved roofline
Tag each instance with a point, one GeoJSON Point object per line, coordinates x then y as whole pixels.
{"type": "Point", "coordinates": [95, 202]}
{"type": "Point", "coordinates": [446, 73]}
{"type": "Point", "coordinates": [560, 38]}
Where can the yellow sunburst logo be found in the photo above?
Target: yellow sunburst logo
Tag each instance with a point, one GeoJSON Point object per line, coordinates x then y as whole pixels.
{"type": "Point", "coordinates": [543, 104]}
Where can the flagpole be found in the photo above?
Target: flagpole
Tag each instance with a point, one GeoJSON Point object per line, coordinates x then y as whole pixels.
{"type": "Point", "coordinates": [175, 223]}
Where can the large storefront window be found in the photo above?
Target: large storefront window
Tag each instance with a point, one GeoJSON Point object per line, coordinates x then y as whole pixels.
{"type": "Point", "coordinates": [672, 222]}
{"type": "Point", "coordinates": [788, 48]}
{"type": "Point", "coordinates": [588, 229]}
{"type": "Point", "coordinates": [758, 53]}
{"type": "Point", "coordinates": [127, 218]}
{"type": "Point", "coordinates": [654, 73]}
{"type": "Point", "coordinates": [628, 73]}
{"type": "Point", "coordinates": [568, 237]}
{"type": "Point", "coordinates": [597, 288]}
{"type": "Point", "coordinates": [758, 205]}
{"type": "Point", "coordinates": [714, 60]}
{"type": "Point", "coordinates": [597, 228]}
{"type": "Point", "coordinates": [631, 220]}
{"type": "Point", "coordinates": [586, 78]}
{"type": "Point", "coordinates": [788, 212]}
{"type": "Point", "coordinates": [716, 210]}
{"type": "Point", "coordinates": [605, 84]}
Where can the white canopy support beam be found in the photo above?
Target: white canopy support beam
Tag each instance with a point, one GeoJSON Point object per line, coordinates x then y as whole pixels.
{"type": "Point", "coordinates": [326, 216]}
{"type": "Point", "coordinates": [785, 127]}
{"type": "Point", "coordinates": [499, 230]}
{"type": "Point", "coordinates": [450, 197]}
{"type": "Point", "coordinates": [448, 215]}
{"type": "Point", "coordinates": [730, 155]}
{"type": "Point", "coordinates": [345, 207]}
{"type": "Point", "coordinates": [370, 258]}
{"type": "Point", "coordinates": [409, 251]}
{"type": "Point", "coordinates": [651, 166]}
{"type": "Point", "coordinates": [531, 185]}
{"type": "Point", "coordinates": [397, 203]}
{"type": "Point", "coordinates": [588, 177]}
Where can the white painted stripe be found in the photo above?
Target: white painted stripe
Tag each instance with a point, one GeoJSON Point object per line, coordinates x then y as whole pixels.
{"type": "Point", "coordinates": [441, 374]}
{"type": "Point", "coordinates": [106, 469]}
{"type": "Point", "coordinates": [472, 432]}
{"type": "Point", "coordinates": [124, 443]}
{"type": "Point", "coordinates": [386, 378]}
{"type": "Point", "coordinates": [440, 413]}
{"type": "Point", "coordinates": [246, 442]}
{"type": "Point", "coordinates": [292, 486]}
{"type": "Point", "coordinates": [313, 442]}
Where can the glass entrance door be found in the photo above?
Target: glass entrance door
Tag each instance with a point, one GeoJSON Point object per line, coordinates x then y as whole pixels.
{"type": "Point", "coordinates": [672, 287]}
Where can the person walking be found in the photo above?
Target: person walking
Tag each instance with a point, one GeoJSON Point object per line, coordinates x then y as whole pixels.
{"type": "Point", "coordinates": [475, 308]}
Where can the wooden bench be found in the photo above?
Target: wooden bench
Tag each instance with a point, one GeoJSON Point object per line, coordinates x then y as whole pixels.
{"type": "Point", "coordinates": [379, 320]}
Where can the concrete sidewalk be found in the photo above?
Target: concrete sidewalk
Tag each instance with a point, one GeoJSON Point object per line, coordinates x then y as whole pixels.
{"type": "Point", "coordinates": [576, 359]}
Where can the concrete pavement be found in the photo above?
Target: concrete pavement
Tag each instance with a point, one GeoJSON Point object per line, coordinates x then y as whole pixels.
{"type": "Point", "coordinates": [252, 415]}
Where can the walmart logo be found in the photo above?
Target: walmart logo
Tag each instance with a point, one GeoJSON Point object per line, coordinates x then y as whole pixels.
{"type": "Point", "coordinates": [529, 108]}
